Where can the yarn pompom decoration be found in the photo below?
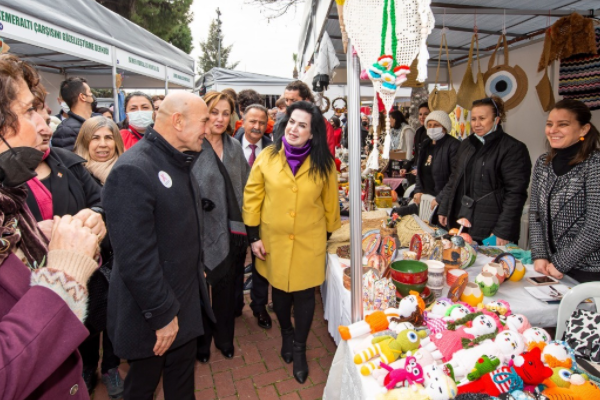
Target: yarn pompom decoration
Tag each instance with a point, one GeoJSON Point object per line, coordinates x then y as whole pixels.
{"type": "Point", "coordinates": [386, 61]}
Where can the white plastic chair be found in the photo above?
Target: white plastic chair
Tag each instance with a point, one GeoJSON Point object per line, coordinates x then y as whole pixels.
{"type": "Point", "coordinates": [425, 210]}
{"type": "Point", "coordinates": [409, 191]}
{"type": "Point", "coordinates": [570, 302]}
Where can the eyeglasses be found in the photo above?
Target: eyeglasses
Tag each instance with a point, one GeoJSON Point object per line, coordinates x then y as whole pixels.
{"type": "Point", "coordinates": [487, 101]}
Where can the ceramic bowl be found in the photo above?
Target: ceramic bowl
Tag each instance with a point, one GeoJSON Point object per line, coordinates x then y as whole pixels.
{"type": "Point", "coordinates": [404, 288]}
{"type": "Point", "coordinates": [472, 295]}
{"type": "Point", "coordinates": [488, 283]}
{"type": "Point", "coordinates": [519, 272]}
{"type": "Point", "coordinates": [436, 273]}
{"type": "Point", "coordinates": [508, 262]}
{"type": "Point", "coordinates": [409, 271]}
{"type": "Point", "coordinates": [453, 275]}
{"type": "Point", "coordinates": [495, 269]}
{"type": "Point", "coordinates": [436, 291]}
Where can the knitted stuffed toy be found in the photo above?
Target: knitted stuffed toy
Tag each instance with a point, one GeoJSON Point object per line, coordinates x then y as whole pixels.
{"type": "Point", "coordinates": [527, 369]}
{"type": "Point", "coordinates": [423, 357]}
{"type": "Point", "coordinates": [453, 313]}
{"type": "Point", "coordinates": [518, 323]}
{"type": "Point", "coordinates": [389, 349]}
{"type": "Point", "coordinates": [444, 344]}
{"type": "Point", "coordinates": [506, 345]}
{"type": "Point", "coordinates": [411, 373]}
{"type": "Point", "coordinates": [558, 354]}
{"type": "Point", "coordinates": [374, 322]}
{"type": "Point", "coordinates": [438, 386]}
{"type": "Point", "coordinates": [566, 386]}
{"type": "Point", "coordinates": [410, 309]}
{"type": "Point", "coordinates": [483, 366]}
{"type": "Point", "coordinates": [500, 307]}
{"type": "Point", "coordinates": [536, 337]}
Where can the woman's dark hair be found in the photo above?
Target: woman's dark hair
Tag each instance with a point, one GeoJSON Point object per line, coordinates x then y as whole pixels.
{"type": "Point", "coordinates": [102, 110]}
{"type": "Point", "coordinates": [336, 122]}
{"type": "Point", "coordinates": [13, 70]}
{"type": "Point", "coordinates": [495, 103]}
{"type": "Point", "coordinates": [424, 105]}
{"type": "Point", "coordinates": [125, 123]}
{"type": "Point", "coordinates": [399, 117]}
{"type": "Point", "coordinates": [584, 117]}
{"type": "Point", "coordinates": [321, 160]}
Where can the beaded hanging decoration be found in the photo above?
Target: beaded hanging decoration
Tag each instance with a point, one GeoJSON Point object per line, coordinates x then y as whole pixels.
{"type": "Point", "coordinates": [407, 39]}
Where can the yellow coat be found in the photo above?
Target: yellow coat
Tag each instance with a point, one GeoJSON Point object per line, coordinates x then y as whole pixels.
{"type": "Point", "coordinates": [294, 214]}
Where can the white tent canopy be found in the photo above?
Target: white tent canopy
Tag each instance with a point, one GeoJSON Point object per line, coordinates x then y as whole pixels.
{"type": "Point", "coordinates": [221, 78]}
{"type": "Point", "coordinates": [86, 39]}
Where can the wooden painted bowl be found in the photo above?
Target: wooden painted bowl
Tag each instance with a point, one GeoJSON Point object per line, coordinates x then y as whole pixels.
{"type": "Point", "coordinates": [409, 271]}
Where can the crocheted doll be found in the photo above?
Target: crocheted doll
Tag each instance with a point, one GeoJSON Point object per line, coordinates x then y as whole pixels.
{"type": "Point", "coordinates": [374, 322]}
{"type": "Point", "coordinates": [506, 345]}
{"type": "Point", "coordinates": [444, 344]}
{"type": "Point", "coordinates": [438, 386]}
{"type": "Point", "coordinates": [410, 374]}
{"type": "Point", "coordinates": [527, 369]}
{"type": "Point", "coordinates": [411, 309]}
{"type": "Point", "coordinates": [558, 354]}
{"type": "Point", "coordinates": [483, 366]}
{"type": "Point", "coordinates": [423, 357]}
{"type": "Point", "coordinates": [500, 307]}
{"type": "Point", "coordinates": [394, 329]}
{"type": "Point", "coordinates": [389, 349]}
{"type": "Point", "coordinates": [518, 323]}
{"type": "Point", "coordinates": [536, 337]}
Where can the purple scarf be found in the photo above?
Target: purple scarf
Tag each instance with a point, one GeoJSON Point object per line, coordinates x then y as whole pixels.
{"type": "Point", "coordinates": [296, 155]}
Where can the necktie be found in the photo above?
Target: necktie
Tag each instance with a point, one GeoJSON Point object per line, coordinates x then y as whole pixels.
{"type": "Point", "coordinates": [252, 154]}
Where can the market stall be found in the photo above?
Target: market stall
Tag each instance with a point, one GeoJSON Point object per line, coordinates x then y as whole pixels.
{"type": "Point", "coordinates": [82, 38]}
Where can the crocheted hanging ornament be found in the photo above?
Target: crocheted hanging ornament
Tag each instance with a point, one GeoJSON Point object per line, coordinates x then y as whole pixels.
{"type": "Point", "coordinates": [375, 44]}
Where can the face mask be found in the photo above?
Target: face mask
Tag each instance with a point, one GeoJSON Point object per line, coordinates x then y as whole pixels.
{"type": "Point", "coordinates": [94, 103]}
{"type": "Point", "coordinates": [18, 164]}
{"type": "Point", "coordinates": [140, 119]}
{"type": "Point", "coordinates": [65, 107]}
{"type": "Point", "coordinates": [364, 123]}
{"type": "Point", "coordinates": [435, 133]}
{"type": "Point", "coordinates": [492, 130]}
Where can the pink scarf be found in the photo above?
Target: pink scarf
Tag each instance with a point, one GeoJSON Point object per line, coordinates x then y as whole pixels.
{"type": "Point", "coordinates": [42, 195]}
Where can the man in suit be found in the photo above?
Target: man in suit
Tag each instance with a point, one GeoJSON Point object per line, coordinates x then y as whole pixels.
{"type": "Point", "coordinates": [158, 290]}
{"type": "Point", "coordinates": [253, 140]}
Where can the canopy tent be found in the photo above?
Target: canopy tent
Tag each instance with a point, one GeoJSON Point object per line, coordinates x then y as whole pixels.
{"type": "Point", "coordinates": [521, 22]}
{"type": "Point", "coordinates": [221, 78]}
{"type": "Point", "coordinates": [86, 39]}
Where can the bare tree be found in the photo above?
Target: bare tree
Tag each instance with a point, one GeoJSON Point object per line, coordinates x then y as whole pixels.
{"type": "Point", "coordinates": [275, 8]}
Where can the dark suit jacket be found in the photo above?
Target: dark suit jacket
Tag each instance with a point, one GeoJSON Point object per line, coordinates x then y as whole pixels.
{"type": "Point", "coordinates": [40, 336]}
{"type": "Point", "coordinates": [265, 141]}
{"type": "Point", "coordinates": [73, 187]}
{"type": "Point", "coordinates": [154, 218]}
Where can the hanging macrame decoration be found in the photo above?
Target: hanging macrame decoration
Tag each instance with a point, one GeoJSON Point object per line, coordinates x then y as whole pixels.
{"type": "Point", "coordinates": [387, 47]}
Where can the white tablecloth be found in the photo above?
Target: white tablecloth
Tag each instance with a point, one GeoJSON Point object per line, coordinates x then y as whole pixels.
{"type": "Point", "coordinates": [345, 381]}
{"type": "Point", "coordinates": [338, 306]}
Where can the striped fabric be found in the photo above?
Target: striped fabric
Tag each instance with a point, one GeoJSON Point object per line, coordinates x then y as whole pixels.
{"type": "Point", "coordinates": [579, 77]}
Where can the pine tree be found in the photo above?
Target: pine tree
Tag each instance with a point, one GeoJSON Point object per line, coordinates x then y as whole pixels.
{"type": "Point", "coordinates": [210, 51]}
{"type": "Point", "coordinates": [167, 19]}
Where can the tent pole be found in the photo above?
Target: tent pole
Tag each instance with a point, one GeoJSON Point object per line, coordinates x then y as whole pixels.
{"type": "Point", "coordinates": [116, 115]}
{"type": "Point", "coordinates": [166, 80]}
{"type": "Point", "coordinates": [354, 181]}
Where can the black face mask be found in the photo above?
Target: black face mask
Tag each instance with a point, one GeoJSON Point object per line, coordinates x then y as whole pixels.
{"type": "Point", "coordinates": [364, 123]}
{"type": "Point", "coordinates": [18, 164]}
{"type": "Point", "coordinates": [94, 103]}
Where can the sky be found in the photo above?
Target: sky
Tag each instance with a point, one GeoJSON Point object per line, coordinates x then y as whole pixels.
{"type": "Point", "coordinates": [261, 46]}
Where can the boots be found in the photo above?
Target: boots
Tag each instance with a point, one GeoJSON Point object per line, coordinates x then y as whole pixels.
{"type": "Point", "coordinates": [300, 363]}
{"type": "Point", "coordinates": [287, 343]}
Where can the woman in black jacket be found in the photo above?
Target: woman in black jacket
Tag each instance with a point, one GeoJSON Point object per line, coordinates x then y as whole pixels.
{"type": "Point", "coordinates": [565, 196]}
{"type": "Point", "coordinates": [437, 160]}
{"type": "Point", "coordinates": [489, 184]}
{"type": "Point", "coordinates": [63, 186]}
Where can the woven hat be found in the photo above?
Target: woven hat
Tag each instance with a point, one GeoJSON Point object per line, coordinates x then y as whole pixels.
{"type": "Point", "coordinates": [442, 118]}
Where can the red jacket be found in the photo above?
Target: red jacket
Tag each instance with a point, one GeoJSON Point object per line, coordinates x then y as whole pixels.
{"type": "Point", "coordinates": [130, 137]}
{"type": "Point", "coordinates": [39, 336]}
{"type": "Point", "coordinates": [330, 137]}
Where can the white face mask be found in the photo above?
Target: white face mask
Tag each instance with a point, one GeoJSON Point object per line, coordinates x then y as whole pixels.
{"type": "Point", "coordinates": [65, 107]}
{"type": "Point", "coordinates": [140, 120]}
{"type": "Point", "coordinates": [435, 133]}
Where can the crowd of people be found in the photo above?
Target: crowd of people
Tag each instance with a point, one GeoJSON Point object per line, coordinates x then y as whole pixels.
{"type": "Point", "coordinates": [128, 241]}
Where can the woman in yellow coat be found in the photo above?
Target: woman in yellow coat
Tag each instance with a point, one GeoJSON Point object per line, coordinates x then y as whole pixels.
{"type": "Point", "coordinates": [290, 207]}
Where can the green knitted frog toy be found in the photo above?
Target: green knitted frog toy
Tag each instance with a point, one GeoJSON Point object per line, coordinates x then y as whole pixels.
{"type": "Point", "coordinates": [483, 366]}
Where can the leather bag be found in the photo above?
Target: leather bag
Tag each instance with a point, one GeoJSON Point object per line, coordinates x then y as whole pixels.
{"type": "Point", "coordinates": [470, 90]}
{"type": "Point", "coordinates": [444, 100]}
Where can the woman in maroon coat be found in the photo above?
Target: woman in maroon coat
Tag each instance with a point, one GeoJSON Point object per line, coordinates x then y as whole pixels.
{"type": "Point", "coordinates": [42, 283]}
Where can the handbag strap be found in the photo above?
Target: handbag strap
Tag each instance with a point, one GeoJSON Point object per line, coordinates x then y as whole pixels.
{"type": "Point", "coordinates": [502, 39]}
{"type": "Point", "coordinates": [437, 74]}
{"type": "Point", "coordinates": [547, 44]}
{"type": "Point", "coordinates": [474, 42]}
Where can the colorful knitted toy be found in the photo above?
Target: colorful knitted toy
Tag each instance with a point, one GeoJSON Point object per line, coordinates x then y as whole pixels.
{"type": "Point", "coordinates": [563, 385]}
{"type": "Point", "coordinates": [389, 349]}
{"type": "Point", "coordinates": [424, 358]}
{"type": "Point", "coordinates": [536, 337]}
{"type": "Point", "coordinates": [374, 322]}
{"type": "Point", "coordinates": [527, 369]}
{"type": "Point", "coordinates": [483, 366]}
{"type": "Point", "coordinates": [558, 354]}
{"type": "Point", "coordinates": [444, 344]}
{"type": "Point", "coordinates": [411, 309]}
{"type": "Point", "coordinates": [438, 386]}
{"type": "Point", "coordinates": [506, 345]}
{"type": "Point", "coordinates": [518, 323]}
{"type": "Point", "coordinates": [409, 375]}
{"type": "Point", "coordinates": [500, 307]}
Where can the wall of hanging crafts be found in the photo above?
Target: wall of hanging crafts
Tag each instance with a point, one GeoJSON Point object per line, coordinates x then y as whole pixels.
{"type": "Point", "coordinates": [444, 100]}
{"type": "Point", "coordinates": [544, 88]}
{"type": "Point", "coordinates": [388, 35]}
{"type": "Point", "coordinates": [471, 90]}
{"type": "Point", "coordinates": [508, 83]}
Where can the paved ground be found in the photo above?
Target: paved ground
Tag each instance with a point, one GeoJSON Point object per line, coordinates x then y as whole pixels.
{"type": "Point", "coordinates": [257, 371]}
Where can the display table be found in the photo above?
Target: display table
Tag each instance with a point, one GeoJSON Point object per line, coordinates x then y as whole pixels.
{"type": "Point", "coordinates": [338, 306]}
{"type": "Point", "coordinates": [345, 381]}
